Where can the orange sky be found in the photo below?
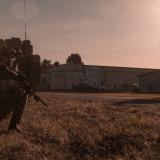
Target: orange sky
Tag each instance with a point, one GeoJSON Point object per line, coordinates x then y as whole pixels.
{"type": "Point", "coordinates": [103, 32]}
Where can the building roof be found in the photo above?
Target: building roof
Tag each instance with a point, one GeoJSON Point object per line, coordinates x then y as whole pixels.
{"type": "Point", "coordinates": [80, 67]}
{"type": "Point", "coordinates": [73, 67]}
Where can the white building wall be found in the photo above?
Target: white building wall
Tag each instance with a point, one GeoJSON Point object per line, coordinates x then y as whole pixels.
{"type": "Point", "coordinates": [120, 78]}
{"type": "Point", "coordinates": [45, 82]}
{"type": "Point", "coordinates": [150, 82]}
{"type": "Point", "coordinates": [74, 78]}
{"type": "Point", "coordinates": [65, 80]}
{"type": "Point", "coordinates": [64, 76]}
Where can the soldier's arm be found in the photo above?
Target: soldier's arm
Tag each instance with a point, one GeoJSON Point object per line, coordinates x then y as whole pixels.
{"type": "Point", "coordinates": [6, 73]}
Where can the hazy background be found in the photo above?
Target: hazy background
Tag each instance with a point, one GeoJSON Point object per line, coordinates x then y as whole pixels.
{"type": "Point", "coordinates": [103, 32]}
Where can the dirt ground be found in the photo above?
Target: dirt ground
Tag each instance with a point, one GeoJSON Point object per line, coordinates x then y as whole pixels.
{"type": "Point", "coordinates": [85, 126]}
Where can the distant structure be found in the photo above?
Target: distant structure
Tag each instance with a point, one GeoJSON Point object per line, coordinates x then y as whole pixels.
{"type": "Point", "coordinates": [90, 77]}
{"type": "Point", "coordinates": [150, 82]}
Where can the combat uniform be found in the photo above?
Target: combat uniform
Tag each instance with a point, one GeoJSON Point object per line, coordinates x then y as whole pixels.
{"type": "Point", "coordinates": [12, 96]}
{"type": "Point", "coordinates": [13, 91]}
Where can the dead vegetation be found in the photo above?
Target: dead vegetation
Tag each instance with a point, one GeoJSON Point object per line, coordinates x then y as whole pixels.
{"type": "Point", "coordinates": [75, 129]}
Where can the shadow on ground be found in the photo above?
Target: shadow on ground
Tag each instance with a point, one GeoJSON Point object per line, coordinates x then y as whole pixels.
{"type": "Point", "coordinates": [140, 101]}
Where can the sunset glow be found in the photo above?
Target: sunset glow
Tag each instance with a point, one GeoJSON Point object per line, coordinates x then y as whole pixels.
{"type": "Point", "coordinates": [103, 32]}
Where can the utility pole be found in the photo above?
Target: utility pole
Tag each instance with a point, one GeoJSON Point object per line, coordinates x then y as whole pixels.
{"type": "Point", "coordinates": [25, 21]}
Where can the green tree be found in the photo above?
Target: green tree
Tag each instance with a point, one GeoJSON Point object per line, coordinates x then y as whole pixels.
{"type": "Point", "coordinates": [46, 65]}
{"type": "Point", "coordinates": [56, 63]}
{"type": "Point", "coordinates": [20, 57]}
{"type": "Point", "coordinates": [74, 58]}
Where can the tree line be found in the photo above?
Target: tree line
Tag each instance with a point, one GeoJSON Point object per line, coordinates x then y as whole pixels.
{"type": "Point", "coordinates": [74, 58]}
{"type": "Point", "coordinates": [20, 57]}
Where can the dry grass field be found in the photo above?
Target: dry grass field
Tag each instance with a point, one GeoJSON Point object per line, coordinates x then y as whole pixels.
{"type": "Point", "coordinates": [83, 127]}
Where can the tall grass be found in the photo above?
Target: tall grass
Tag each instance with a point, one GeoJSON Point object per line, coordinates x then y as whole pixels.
{"type": "Point", "coordinates": [74, 129]}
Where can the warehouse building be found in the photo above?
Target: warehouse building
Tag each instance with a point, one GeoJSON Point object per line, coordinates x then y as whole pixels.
{"type": "Point", "coordinates": [70, 76]}
{"type": "Point", "coordinates": [150, 82]}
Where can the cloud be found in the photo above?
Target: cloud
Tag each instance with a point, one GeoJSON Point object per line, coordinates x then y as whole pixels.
{"type": "Point", "coordinates": [17, 10]}
{"type": "Point", "coordinates": [103, 31]}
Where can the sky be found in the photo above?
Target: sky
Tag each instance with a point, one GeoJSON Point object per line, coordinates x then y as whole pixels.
{"type": "Point", "coordinates": [103, 32]}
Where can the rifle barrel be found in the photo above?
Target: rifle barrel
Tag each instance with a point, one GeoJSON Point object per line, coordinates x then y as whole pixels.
{"type": "Point", "coordinates": [45, 104]}
{"type": "Point", "coordinates": [37, 98]}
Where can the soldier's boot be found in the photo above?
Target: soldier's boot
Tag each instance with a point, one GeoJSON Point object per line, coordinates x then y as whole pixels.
{"type": "Point", "coordinates": [17, 114]}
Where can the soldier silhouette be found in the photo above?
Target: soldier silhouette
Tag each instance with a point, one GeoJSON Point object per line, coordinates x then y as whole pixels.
{"type": "Point", "coordinates": [16, 87]}
{"type": "Point", "coordinates": [12, 96]}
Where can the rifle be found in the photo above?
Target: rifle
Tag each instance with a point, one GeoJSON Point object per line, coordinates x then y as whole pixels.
{"type": "Point", "coordinates": [25, 80]}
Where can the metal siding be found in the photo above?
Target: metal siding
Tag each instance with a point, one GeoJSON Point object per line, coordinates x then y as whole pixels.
{"type": "Point", "coordinates": [58, 82]}
{"type": "Point", "coordinates": [150, 82]}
